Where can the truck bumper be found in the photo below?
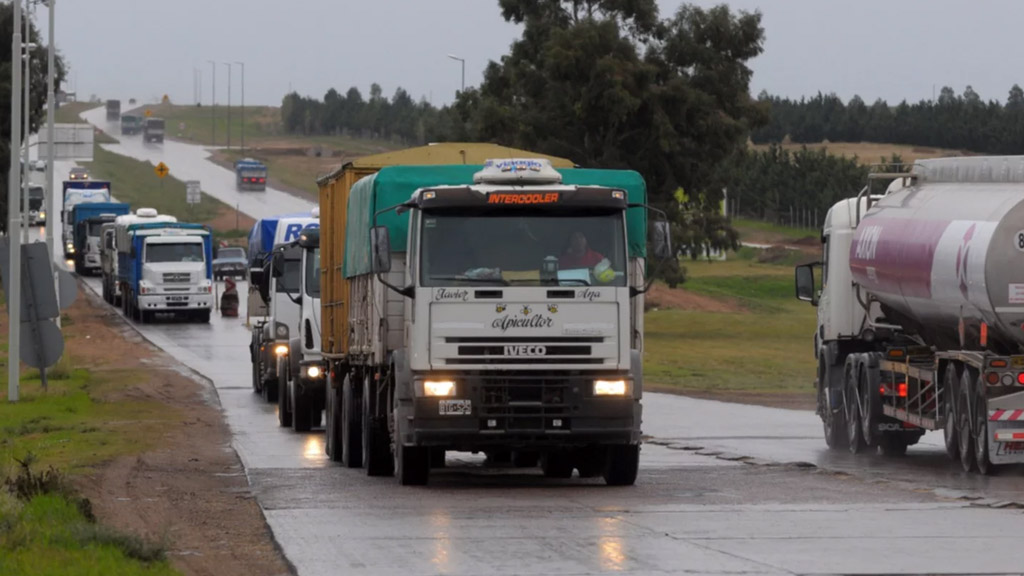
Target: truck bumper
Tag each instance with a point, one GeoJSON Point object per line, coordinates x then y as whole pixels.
{"type": "Point", "coordinates": [175, 302]}
{"type": "Point", "coordinates": [542, 412]}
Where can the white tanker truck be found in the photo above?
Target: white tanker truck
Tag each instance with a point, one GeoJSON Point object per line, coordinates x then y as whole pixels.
{"type": "Point", "coordinates": [921, 312]}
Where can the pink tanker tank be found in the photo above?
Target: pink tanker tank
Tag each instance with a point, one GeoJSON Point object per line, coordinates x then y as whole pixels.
{"type": "Point", "coordinates": [949, 248]}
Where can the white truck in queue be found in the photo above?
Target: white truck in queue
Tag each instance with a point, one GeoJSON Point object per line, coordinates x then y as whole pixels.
{"type": "Point", "coordinates": [921, 312]}
{"type": "Point", "coordinates": [273, 301]}
{"type": "Point", "coordinates": [108, 249]}
{"type": "Point", "coordinates": [301, 375]}
{"type": "Point", "coordinates": [493, 308]}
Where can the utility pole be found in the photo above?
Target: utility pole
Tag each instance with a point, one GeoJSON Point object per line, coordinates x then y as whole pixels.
{"type": "Point", "coordinates": [228, 64]}
{"type": "Point", "coordinates": [14, 218]}
{"type": "Point", "coordinates": [213, 105]}
{"type": "Point", "coordinates": [242, 135]}
{"type": "Point", "coordinates": [51, 111]}
{"type": "Point", "coordinates": [27, 47]}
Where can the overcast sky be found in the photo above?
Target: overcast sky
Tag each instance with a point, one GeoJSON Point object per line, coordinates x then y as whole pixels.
{"type": "Point", "coordinates": [893, 49]}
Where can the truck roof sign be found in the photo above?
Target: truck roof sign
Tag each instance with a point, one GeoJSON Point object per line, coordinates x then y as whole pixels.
{"type": "Point", "coordinates": [518, 170]}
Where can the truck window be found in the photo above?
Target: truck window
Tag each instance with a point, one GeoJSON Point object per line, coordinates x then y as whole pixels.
{"type": "Point", "coordinates": [184, 252]}
{"type": "Point", "coordinates": [313, 274]}
{"type": "Point", "coordinates": [512, 248]}
{"type": "Point", "coordinates": [824, 261]}
{"type": "Point", "coordinates": [292, 277]}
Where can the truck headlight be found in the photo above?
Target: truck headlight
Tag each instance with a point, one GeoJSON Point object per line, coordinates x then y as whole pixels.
{"type": "Point", "coordinates": [42, 215]}
{"type": "Point", "coordinates": [313, 371]}
{"type": "Point", "coordinates": [281, 349]}
{"type": "Point", "coordinates": [282, 330]}
{"type": "Point", "coordinates": [439, 387]}
{"type": "Point", "coordinates": [610, 388]}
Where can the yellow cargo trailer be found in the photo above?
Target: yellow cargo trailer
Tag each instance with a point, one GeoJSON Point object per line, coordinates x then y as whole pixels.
{"type": "Point", "coordinates": [334, 193]}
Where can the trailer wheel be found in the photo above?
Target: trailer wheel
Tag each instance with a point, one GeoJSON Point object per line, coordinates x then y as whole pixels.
{"type": "Point", "coordinates": [949, 400]}
{"type": "Point", "coordinates": [833, 420]}
{"type": "Point", "coordinates": [851, 397]}
{"type": "Point", "coordinates": [351, 441]}
{"type": "Point", "coordinates": [963, 421]}
{"type": "Point", "coordinates": [284, 410]}
{"type": "Point", "coordinates": [623, 465]}
{"type": "Point", "coordinates": [981, 431]}
{"type": "Point", "coordinates": [332, 432]}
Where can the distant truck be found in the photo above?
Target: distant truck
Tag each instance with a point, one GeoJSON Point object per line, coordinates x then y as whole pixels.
{"type": "Point", "coordinates": [108, 248]}
{"type": "Point", "coordinates": [113, 110]}
{"type": "Point", "coordinates": [920, 312]}
{"type": "Point", "coordinates": [87, 220]}
{"type": "Point", "coordinates": [455, 318]}
{"type": "Point", "coordinates": [79, 192]}
{"type": "Point", "coordinates": [273, 305]}
{"type": "Point", "coordinates": [36, 210]}
{"type": "Point", "coordinates": [165, 268]}
{"type": "Point", "coordinates": [131, 124]}
{"type": "Point", "coordinates": [153, 130]}
{"type": "Point", "coordinates": [250, 174]}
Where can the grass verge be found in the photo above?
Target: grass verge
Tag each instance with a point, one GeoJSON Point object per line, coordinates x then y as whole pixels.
{"type": "Point", "coordinates": [764, 348]}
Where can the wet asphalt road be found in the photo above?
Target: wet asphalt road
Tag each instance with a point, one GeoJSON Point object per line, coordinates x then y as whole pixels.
{"type": "Point", "coordinates": [723, 489]}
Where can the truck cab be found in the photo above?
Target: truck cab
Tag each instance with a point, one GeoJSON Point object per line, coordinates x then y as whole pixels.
{"type": "Point", "coordinates": [131, 124]}
{"type": "Point", "coordinates": [301, 371]}
{"type": "Point", "coordinates": [36, 209]}
{"type": "Point", "coordinates": [250, 174]}
{"type": "Point", "coordinates": [113, 110]}
{"type": "Point", "coordinates": [153, 130]}
{"type": "Point", "coordinates": [523, 340]}
{"type": "Point", "coordinates": [109, 252]}
{"type": "Point", "coordinates": [79, 192]}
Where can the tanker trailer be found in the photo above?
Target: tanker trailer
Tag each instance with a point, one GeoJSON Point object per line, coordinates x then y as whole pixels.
{"type": "Point", "coordinates": [921, 312]}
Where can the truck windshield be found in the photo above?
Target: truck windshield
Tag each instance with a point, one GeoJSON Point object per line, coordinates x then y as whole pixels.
{"type": "Point", "coordinates": [157, 124]}
{"type": "Point", "coordinates": [184, 252]}
{"type": "Point", "coordinates": [313, 274]}
{"type": "Point", "coordinates": [226, 253]}
{"type": "Point", "coordinates": [503, 249]}
{"type": "Point", "coordinates": [290, 281]}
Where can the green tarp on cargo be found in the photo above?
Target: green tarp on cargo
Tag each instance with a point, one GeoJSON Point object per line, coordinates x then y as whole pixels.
{"type": "Point", "coordinates": [395, 184]}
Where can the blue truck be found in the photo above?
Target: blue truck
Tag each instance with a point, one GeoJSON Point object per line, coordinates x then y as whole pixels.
{"type": "Point", "coordinates": [86, 221]}
{"type": "Point", "coordinates": [79, 192]}
{"type": "Point", "coordinates": [165, 268]}
{"type": "Point", "coordinates": [250, 174]}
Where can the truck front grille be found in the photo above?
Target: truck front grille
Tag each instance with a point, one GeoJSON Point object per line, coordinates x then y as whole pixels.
{"type": "Point", "coordinates": [526, 402]}
{"type": "Point", "coordinates": [170, 277]}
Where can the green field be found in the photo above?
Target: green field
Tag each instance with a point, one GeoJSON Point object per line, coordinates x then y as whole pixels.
{"type": "Point", "coordinates": [762, 347]}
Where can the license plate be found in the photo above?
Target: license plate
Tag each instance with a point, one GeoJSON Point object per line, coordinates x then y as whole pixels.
{"type": "Point", "coordinates": [177, 298]}
{"type": "Point", "coordinates": [455, 407]}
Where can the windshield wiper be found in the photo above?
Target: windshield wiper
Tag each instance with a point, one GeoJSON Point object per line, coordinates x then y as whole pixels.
{"type": "Point", "coordinates": [500, 281]}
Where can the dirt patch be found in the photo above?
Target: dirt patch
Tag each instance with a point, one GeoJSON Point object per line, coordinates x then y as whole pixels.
{"type": "Point", "coordinates": [229, 219]}
{"type": "Point", "coordinates": [662, 296]}
{"type": "Point", "coordinates": [190, 491]}
{"type": "Point", "coordinates": [791, 401]}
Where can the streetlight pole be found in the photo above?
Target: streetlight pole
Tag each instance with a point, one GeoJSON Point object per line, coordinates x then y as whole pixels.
{"type": "Point", "coordinates": [228, 64]}
{"type": "Point", "coordinates": [213, 104]}
{"type": "Point", "coordinates": [14, 217]}
{"type": "Point", "coordinates": [51, 111]}
{"type": "Point", "coordinates": [242, 135]}
{"type": "Point", "coordinates": [27, 101]}
{"type": "Point", "coordinates": [463, 62]}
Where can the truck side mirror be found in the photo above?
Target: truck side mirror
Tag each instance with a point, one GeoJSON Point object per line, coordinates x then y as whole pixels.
{"type": "Point", "coordinates": [380, 250]}
{"type": "Point", "coordinates": [805, 289]}
{"type": "Point", "coordinates": [661, 240]}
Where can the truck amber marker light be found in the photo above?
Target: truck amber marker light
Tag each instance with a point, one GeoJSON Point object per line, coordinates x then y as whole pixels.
{"type": "Point", "coordinates": [542, 198]}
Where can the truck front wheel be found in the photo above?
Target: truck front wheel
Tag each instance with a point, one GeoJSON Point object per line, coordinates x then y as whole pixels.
{"type": "Point", "coordinates": [284, 409]}
{"type": "Point", "coordinates": [412, 464]}
{"type": "Point", "coordinates": [302, 408]}
{"type": "Point", "coordinates": [376, 441]}
{"type": "Point", "coordinates": [623, 465]}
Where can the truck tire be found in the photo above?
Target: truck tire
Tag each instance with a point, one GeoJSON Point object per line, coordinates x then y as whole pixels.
{"type": "Point", "coordinates": [871, 401]}
{"type": "Point", "coordinates": [591, 462]}
{"type": "Point", "coordinates": [963, 421]}
{"type": "Point", "coordinates": [145, 317]}
{"type": "Point", "coordinates": [284, 409]}
{"type": "Point", "coordinates": [893, 444]}
{"type": "Point", "coordinates": [412, 464]}
{"type": "Point", "coordinates": [981, 433]}
{"type": "Point", "coordinates": [851, 403]}
{"type": "Point", "coordinates": [949, 399]}
{"type": "Point", "coordinates": [623, 465]}
{"type": "Point", "coordinates": [351, 427]}
{"type": "Point", "coordinates": [376, 442]}
{"type": "Point", "coordinates": [332, 428]}
{"type": "Point", "coordinates": [301, 406]}
{"type": "Point", "coordinates": [203, 316]}
{"type": "Point", "coordinates": [557, 464]}
{"type": "Point", "coordinates": [832, 416]}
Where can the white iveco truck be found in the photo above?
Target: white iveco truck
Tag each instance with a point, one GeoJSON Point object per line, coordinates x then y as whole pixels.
{"type": "Point", "coordinates": [921, 312]}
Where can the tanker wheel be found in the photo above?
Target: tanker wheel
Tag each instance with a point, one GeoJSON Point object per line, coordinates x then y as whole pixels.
{"type": "Point", "coordinates": [351, 427]}
{"type": "Point", "coordinates": [949, 400]}
{"type": "Point", "coordinates": [963, 421]}
{"type": "Point", "coordinates": [981, 430]}
{"type": "Point", "coordinates": [871, 403]}
{"type": "Point", "coordinates": [332, 430]}
{"type": "Point", "coordinates": [851, 395]}
{"type": "Point", "coordinates": [833, 421]}
{"type": "Point", "coordinates": [893, 444]}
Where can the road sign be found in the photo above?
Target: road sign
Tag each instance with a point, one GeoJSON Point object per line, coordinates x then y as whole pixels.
{"type": "Point", "coordinates": [193, 193]}
{"type": "Point", "coordinates": [67, 289]}
{"type": "Point", "coordinates": [41, 343]}
{"type": "Point", "coordinates": [148, 112]}
{"type": "Point", "coordinates": [161, 170]}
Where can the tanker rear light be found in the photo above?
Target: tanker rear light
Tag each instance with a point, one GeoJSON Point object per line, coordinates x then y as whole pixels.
{"type": "Point", "coordinates": [992, 378]}
{"type": "Point", "coordinates": [896, 353]}
{"type": "Point", "coordinates": [998, 363]}
{"type": "Point", "coordinates": [902, 389]}
{"type": "Point", "coordinates": [1020, 378]}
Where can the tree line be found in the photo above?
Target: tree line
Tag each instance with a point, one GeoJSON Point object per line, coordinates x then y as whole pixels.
{"type": "Point", "coordinates": [957, 121]}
